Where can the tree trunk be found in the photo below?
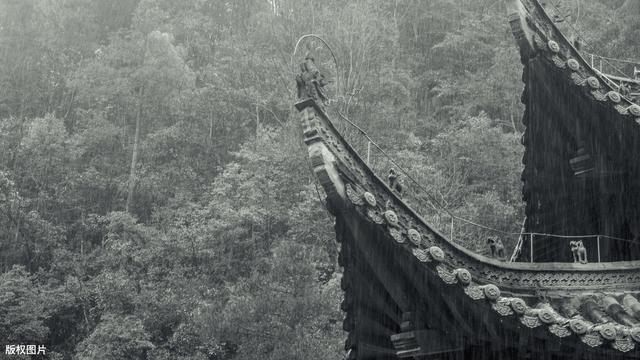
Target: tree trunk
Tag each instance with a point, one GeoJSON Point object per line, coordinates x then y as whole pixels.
{"type": "Point", "coordinates": [257, 118]}
{"type": "Point", "coordinates": [210, 128]}
{"type": "Point", "coordinates": [134, 155]}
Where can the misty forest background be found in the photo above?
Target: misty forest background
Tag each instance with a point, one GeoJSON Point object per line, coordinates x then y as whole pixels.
{"type": "Point", "coordinates": [155, 198]}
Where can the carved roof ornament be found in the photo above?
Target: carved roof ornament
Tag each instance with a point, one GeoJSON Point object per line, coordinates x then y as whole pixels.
{"type": "Point", "coordinates": [491, 292]}
{"type": "Point", "coordinates": [464, 276]}
{"type": "Point", "coordinates": [518, 305]}
{"type": "Point", "coordinates": [370, 199]}
{"type": "Point", "coordinates": [592, 339]}
{"type": "Point", "coordinates": [421, 255]}
{"type": "Point", "coordinates": [573, 64]}
{"type": "Point", "coordinates": [391, 217]}
{"type": "Point", "coordinates": [414, 236]}
{"type": "Point", "coordinates": [608, 331]}
{"type": "Point", "coordinates": [593, 82]}
{"type": "Point", "coordinates": [547, 316]}
{"type": "Point", "coordinates": [624, 344]}
{"type": "Point", "coordinates": [553, 46]}
{"type": "Point", "coordinates": [578, 326]}
{"type": "Point", "coordinates": [310, 82]}
{"type": "Point", "coordinates": [559, 331]}
{"type": "Point", "coordinates": [436, 253]}
{"type": "Point", "coordinates": [614, 96]}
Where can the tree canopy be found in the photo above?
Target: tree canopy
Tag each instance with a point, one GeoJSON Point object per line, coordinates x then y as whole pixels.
{"type": "Point", "coordinates": [155, 200]}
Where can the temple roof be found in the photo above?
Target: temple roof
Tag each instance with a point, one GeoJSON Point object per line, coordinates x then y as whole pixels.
{"type": "Point", "coordinates": [403, 279]}
{"type": "Point", "coordinates": [596, 303]}
{"type": "Point", "coordinates": [538, 36]}
{"type": "Point", "coordinates": [581, 142]}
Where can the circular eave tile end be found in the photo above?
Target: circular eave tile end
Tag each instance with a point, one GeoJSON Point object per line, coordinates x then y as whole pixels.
{"type": "Point", "coordinates": [553, 46]}
{"type": "Point", "coordinates": [464, 276]}
{"type": "Point", "coordinates": [391, 217]}
{"type": "Point", "coordinates": [436, 253]}
{"type": "Point", "coordinates": [614, 96]}
{"type": "Point", "coordinates": [370, 199]}
{"type": "Point", "coordinates": [593, 82]}
{"type": "Point", "coordinates": [491, 292]}
{"type": "Point", "coordinates": [519, 306]}
{"type": "Point", "coordinates": [608, 331]}
{"type": "Point", "coordinates": [578, 326]}
{"type": "Point", "coordinates": [414, 236]}
{"type": "Point", "coordinates": [573, 64]}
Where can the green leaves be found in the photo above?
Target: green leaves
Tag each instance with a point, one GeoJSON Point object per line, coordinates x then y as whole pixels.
{"type": "Point", "coordinates": [282, 310]}
{"type": "Point", "coordinates": [226, 251]}
{"type": "Point", "coordinates": [116, 337]}
{"type": "Point", "coordinates": [21, 308]}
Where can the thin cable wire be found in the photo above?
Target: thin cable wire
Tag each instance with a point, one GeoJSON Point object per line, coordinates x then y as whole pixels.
{"type": "Point", "coordinates": [625, 61]}
{"type": "Point", "coordinates": [364, 133]}
{"type": "Point", "coordinates": [434, 203]}
{"type": "Point", "coordinates": [431, 198]}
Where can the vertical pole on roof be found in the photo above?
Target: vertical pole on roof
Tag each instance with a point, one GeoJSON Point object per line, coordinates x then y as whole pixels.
{"type": "Point", "coordinates": [531, 248]}
{"type": "Point", "coordinates": [598, 237]}
{"type": "Point", "coordinates": [368, 151]}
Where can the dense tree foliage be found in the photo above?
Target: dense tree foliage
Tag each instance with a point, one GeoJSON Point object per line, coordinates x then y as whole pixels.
{"type": "Point", "coordinates": [155, 200]}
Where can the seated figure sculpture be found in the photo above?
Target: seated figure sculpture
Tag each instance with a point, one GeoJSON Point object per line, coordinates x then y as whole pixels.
{"type": "Point", "coordinates": [310, 82]}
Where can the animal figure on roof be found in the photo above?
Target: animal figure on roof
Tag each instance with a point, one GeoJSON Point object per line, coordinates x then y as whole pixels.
{"type": "Point", "coordinates": [496, 247]}
{"type": "Point", "coordinates": [394, 181]}
{"type": "Point", "coordinates": [579, 251]}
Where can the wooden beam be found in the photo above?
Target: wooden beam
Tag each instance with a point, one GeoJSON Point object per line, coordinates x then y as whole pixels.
{"type": "Point", "coordinates": [367, 351]}
{"type": "Point", "coordinates": [425, 342]}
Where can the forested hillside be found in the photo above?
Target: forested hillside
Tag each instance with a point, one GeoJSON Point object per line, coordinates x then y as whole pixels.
{"type": "Point", "coordinates": [155, 199]}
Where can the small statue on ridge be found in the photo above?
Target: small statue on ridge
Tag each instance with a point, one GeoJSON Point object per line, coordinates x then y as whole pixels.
{"type": "Point", "coordinates": [394, 182]}
{"type": "Point", "coordinates": [624, 90]}
{"type": "Point", "coordinates": [310, 81]}
{"type": "Point", "coordinates": [496, 247]}
{"type": "Point", "coordinates": [579, 251]}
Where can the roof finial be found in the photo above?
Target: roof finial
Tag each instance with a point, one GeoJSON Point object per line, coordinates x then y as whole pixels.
{"type": "Point", "coordinates": [310, 81]}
